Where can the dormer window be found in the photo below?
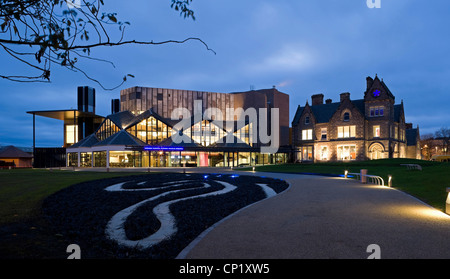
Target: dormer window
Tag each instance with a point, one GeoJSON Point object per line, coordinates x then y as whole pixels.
{"type": "Point", "coordinates": [306, 120]}
{"type": "Point", "coordinates": [346, 116]}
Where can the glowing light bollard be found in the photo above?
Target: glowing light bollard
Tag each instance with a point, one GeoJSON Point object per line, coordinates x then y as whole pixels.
{"type": "Point", "coordinates": [253, 169]}
{"type": "Point", "coordinates": [390, 181]}
{"type": "Point", "coordinates": [363, 176]}
{"type": "Point", "coordinates": [346, 173]}
{"type": "Point", "coordinates": [447, 204]}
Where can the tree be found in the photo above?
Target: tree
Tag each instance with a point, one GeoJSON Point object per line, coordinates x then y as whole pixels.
{"type": "Point", "coordinates": [428, 146]}
{"type": "Point", "coordinates": [43, 33]}
{"type": "Point", "coordinates": [443, 136]}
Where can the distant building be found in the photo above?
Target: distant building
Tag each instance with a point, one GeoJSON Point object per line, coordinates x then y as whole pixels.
{"type": "Point", "coordinates": [370, 128]}
{"type": "Point", "coordinates": [15, 157]}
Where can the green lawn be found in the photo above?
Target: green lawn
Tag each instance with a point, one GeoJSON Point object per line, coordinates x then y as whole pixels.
{"type": "Point", "coordinates": [23, 190]}
{"type": "Point", "coordinates": [428, 185]}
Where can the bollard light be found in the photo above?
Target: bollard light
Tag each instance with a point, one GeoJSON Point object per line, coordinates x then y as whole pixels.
{"type": "Point", "coordinates": [390, 181]}
{"type": "Point", "coordinates": [253, 168]}
{"type": "Point", "coordinates": [346, 173]}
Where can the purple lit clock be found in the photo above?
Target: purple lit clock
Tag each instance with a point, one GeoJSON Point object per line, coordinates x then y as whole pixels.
{"type": "Point", "coordinates": [376, 93]}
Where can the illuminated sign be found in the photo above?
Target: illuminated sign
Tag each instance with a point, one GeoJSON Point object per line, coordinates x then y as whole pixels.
{"type": "Point", "coordinates": [163, 148]}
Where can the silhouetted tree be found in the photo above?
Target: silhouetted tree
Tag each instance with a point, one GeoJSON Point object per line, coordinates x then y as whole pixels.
{"type": "Point", "coordinates": [42, 33]}
{"type": "Point", "coordinates": [443, 137]}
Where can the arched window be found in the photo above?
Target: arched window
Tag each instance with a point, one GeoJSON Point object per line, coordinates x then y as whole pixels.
{"type": "Point", "coordinates": [307, 120]}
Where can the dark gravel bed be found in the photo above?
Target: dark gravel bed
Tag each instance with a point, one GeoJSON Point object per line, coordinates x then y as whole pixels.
{"type": "Point", "coordinates": [81, 212]}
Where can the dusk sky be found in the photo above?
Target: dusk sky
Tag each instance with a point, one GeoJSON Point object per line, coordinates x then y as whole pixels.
{"type": "Point", "coordinates": [303, 47]}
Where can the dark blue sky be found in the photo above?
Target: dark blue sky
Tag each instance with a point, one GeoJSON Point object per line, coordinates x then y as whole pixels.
{"type": "Point", "coordinates": [303, 47]}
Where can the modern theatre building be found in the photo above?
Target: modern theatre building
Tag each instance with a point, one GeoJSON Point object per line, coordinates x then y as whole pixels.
{"type": "Point", "coordinates": [156, 127]}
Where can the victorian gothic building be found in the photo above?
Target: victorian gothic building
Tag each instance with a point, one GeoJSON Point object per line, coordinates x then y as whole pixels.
{"type": "Point", "coordinates": [369, 128]}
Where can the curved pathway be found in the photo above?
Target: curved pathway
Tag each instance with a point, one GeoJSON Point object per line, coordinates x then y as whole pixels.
{"type": "Point", "coordinates": [323, 217]}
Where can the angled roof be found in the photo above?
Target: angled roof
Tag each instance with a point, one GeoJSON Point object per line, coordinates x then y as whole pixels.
{"type": "Point", "coordinates": [88, 141]}
{"type": "Point", "coordinates": [122, 119]}
{"type": "Point", "coordinates": [324, 112]}
{"type": "Point", "coordinates": [13, 152]}
{"type": "Point", "coordinates": [397, 112]}
{"type": "Point", "coordinates": [180, 141]}
{"type": "Point", "coordinates": [121, 138]}
{"type": "Point", "coordinates": [297, 115]}
{"type": "Point", "coordinates": [230, 141]}
{"type": "Point", "coordinates": [411, 137]}
{"type": "Point", "coordinates": [386, 88]}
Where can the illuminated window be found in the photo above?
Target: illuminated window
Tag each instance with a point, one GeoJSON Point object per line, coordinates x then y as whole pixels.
{"type": "Point", "coordinates": [346, 152]}
{"type": "Point", "coordinates": [307, 153]}
{"type": "Point", "coordinates": [376, 131]}
{"type": "Point", "coordinates": [307, 134]}
{"type": "Point", "coordinates": [324, 153]}
{"type": "Point", "coordinates": [71, 134]}
{"type": "Point", "coordinates": [107, 129]}
{"type": "Point", "coordinates": [347, 131]}
{"type": "Point", "coordinates": [245, 134]}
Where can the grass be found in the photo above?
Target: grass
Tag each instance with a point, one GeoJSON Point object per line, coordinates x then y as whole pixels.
{"type": "Point", "coordinates": [22, 193]}
{"type": "Point", "coordinates": [23, 190]}
{"type": "Point", "coordinates": [428, 185]}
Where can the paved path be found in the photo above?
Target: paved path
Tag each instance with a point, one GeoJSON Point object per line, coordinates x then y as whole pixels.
{"type": "Point", "coordinates": [322, 217]}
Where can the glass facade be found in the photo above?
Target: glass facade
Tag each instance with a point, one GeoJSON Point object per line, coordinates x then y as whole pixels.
{"type": "Point", "coordinates": [151, 131]}
{"type": "Point", "coordinates": [72, 159]}
{"type": "Point", "coordinates": [205, 133]}
{"type": "Point", "coordinates": [107, 129]}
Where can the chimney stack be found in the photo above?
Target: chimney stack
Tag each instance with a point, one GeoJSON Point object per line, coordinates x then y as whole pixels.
{"type": "Point", "coordinates": [345, 96]}
{"type": "Point", "coordinates": [317, 99]}
{"type": "Point", "coordinates": [369, 82]}
{"type": "Point", "coordinates": [328, 101]}
{"type": "Point", "coordinates": [115, 106]}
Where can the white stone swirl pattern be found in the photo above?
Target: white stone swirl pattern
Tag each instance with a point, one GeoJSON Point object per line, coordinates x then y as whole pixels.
{"type": "Point", "coordinates": [115, 228]}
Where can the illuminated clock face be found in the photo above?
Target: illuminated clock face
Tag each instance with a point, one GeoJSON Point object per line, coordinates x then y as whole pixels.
{"type": "Point", "coordinates": [376, 93]}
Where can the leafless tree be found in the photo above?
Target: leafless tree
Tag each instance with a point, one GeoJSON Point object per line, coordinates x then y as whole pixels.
{"type": "Point", "coordinates": [43, 33]}
{"type": "Point", "coordinates": [443, 137]}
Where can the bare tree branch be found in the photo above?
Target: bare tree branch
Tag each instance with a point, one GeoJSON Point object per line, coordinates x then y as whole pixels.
{"type": "Point", "coordinates": [59, 35]}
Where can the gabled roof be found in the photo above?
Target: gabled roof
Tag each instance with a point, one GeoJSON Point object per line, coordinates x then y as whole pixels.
{"type": "Point", "coordinates": [230, 141]}
{"type": "Point", "coordinates": [324, 112]}
{"type": "Point", "coordinates": [297, 115]}
{"type": "Point", "coordinates": [13, 152]}
{"type": "Point", "coordinates": [180, 141]}
{"type": "Point", "coordinates": [122, 119]}
{"type": "Point", "coordinates": [387, 89]}
{"type": "Point", "coordinates": [121, 138]}
{"type": "Point", "coordinates": [88, 141]}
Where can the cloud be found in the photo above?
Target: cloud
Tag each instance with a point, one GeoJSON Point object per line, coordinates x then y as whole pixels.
{"type": "Point", "coordinates": [289, 58]}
